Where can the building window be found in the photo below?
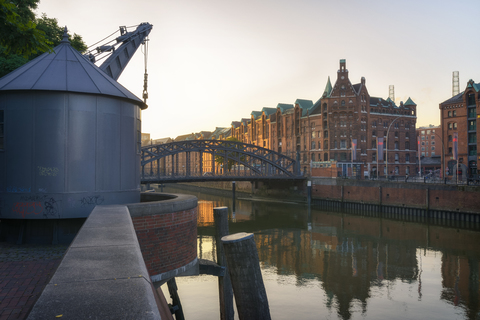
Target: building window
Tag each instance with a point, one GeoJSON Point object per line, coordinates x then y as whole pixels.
{"type": "Point", "coordinates": [373, 133]}
{"type": "Point", "coordinates": [472, 138]}
{"type": "Point", "coordinates": [454, 113]}
{"type": "Point", "coordinates": [472, 125]}
{"type": "Point", "coordinates": [449, 114]}
{"type": "Point", "coordinates": [423, 131]}
{"type": "Point", "coordinates": [407, 157]}
{"type": "Point", "coordinates": [407, 145]}
{"type": "Point", "coordinates": [313, 157]}
{"type": "Point", "coordinates": [343, 103]}
{"type": "Point", "coordinates": [454, 125]}
{"type": "Point", "coordinates": [313, 134]}
{"type": "Point", "coordinates": [319, 147]}
{"type": "Point", "coordinates": [343, 144]}
{"type": "Point", "coordinates": [396, 156]}
{"type": "Point", "coordinates": [407, 135]}
{"type": "Point", "coordinates": [423, 143]}
{"type": "Point", "coordinates": [449, 138]}
{"type": "Point", "coordinates": [472, 113]}
{"type": "Point", "coordinates": [396, 134]}
{"type": "Point", "coordinates": [423, 148]}
{"type": "Point", "coordinates": [449, 150]}
{"type": "Point", "coordinates": [450, 125]}
{"type": "Point", "coordinates": [432, 138]}
{"type": "Point", "coordinates": [312, 145]}
{"type": "Point", "coordinates": [374, 156]}
{"type": "Point", "coordinates": [471, 99]}
{"type": "Point", "coordinates": [433, 148]}
{"type": "Point", "coordinates": [335, 144]}
{"type": "Point", "coordinates": [396, 145]}
{"type": "Point", "coordinates": [396, 170]}
{"type": "Point", "coordinates": [407, 170]}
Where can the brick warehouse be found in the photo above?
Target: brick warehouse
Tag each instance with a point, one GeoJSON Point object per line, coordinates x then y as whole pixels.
{"type": "Point", "coordinates": [322, 132]}
{"type": "Point", "coordinates": [459, 114]}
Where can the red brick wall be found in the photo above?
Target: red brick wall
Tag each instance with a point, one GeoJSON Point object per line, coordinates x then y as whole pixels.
{"type": "Point", "coordinates": [168, 240]}
{"type": "Point", "coordinates": [466, 199]}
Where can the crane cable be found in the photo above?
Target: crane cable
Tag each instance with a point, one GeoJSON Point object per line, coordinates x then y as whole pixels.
{"type": "Point", "coordinates": [145, 77]}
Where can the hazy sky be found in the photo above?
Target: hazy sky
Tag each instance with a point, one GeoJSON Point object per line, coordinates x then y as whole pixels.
{"type": "Point", "coordinates": [212, 62]}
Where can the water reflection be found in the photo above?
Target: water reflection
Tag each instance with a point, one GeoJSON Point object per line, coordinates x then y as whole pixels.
{"type": "Point", "coordinates": [363, 266]}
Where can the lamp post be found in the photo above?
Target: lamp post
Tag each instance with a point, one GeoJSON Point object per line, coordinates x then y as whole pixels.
{"type": "Point", "coordinates": [386, 143]}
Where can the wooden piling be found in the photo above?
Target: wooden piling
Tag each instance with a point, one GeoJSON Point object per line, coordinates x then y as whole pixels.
{"type": "Point", "coordinates": [247, 282]}
{"type": "Point", "coordinates": [225, 292]}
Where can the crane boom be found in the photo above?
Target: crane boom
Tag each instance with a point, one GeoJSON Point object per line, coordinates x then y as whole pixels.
{"type": "Point", "coordinates": [129, 43]}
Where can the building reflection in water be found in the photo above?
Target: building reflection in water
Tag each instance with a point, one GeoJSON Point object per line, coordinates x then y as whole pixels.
{"type": "Point", "coordinates": [353, 258]}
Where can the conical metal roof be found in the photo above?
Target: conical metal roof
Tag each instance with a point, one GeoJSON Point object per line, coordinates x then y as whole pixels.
{"type": "Point", "coordinates": [65, 69]}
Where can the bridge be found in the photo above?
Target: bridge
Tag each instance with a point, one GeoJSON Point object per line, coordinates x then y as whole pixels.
{"type": "Point", "coordinates": [214, 160]}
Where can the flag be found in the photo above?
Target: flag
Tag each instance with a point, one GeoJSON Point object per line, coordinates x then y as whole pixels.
{"type": "Point", "coordinates": [354, 149]}
{"type": "Point", "coordinates": [380, 149]}
{"type": "Point", "coordinates": [455, 146]}
{"type": "Point", "coordinates": [418, 147]}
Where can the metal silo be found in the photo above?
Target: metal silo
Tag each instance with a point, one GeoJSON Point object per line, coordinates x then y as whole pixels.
{"type": "Point", "coordinates": [69, 140]}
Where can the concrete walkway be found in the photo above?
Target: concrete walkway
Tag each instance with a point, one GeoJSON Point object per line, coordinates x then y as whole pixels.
{"type": "Point", "coordinates": [24, 272]}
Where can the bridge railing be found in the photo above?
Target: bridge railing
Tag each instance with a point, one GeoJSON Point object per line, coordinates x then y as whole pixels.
{"type": "Point", "coordinates": [214, 160]}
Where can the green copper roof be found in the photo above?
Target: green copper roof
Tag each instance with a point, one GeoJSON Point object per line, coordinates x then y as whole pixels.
{"type": "Point", "coordinates": [328, 89]}
{"type": "Point", "coordinates": [269, 111]}
{"type": "Point", "coordinates": [472, 84]}
{"type": "Point", "coordinates": [284, 107]}
{"type": "Point", "coordinates": [409, 102]}
{"type": "Point", "coordinates": [256, 114]}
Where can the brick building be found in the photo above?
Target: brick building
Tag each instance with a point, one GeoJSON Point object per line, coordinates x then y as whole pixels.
{"type": "Point", "coordinates": [459, 115]}
{"type": "Point", "coordinates": [430, 141]}
{"type": "Point", "coordinates": [322, 133]}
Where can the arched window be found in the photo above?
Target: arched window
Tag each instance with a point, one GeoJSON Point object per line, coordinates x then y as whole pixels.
{"type": "Point", "coordinates": [343, 103]}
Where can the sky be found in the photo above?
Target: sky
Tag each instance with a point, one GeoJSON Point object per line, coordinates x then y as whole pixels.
{"type": "Point", "coordinates": [211, 62]}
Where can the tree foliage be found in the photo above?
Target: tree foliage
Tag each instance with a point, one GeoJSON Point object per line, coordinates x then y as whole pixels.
{"type": "Point", "coordinates": [18, 32]}
{"type": "Point", "coordinates": [23, 37]}
{"type": "Point", "coordinates": [219, 158]}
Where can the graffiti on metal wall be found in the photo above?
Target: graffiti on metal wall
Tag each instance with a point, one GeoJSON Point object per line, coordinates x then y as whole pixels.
{"type": "Point", "coordinates": [47, 171]}
{"type": "Point", "coordinates": [18, 189]}
{"type": "Point", "coordinates": [91, 200]}
{"type": "Point", "coordinates": [48, 207]}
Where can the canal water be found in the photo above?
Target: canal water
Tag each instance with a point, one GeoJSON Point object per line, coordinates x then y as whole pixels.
{"type": "Point", "coordinates": [331, 265]}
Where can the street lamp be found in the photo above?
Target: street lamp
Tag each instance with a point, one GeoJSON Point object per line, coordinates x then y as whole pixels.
{"type": "Point", "coordinates": [386, 143]}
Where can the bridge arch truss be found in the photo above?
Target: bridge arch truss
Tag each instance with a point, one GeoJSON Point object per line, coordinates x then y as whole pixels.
{"type": "Point", "coordinates": [220, 160]}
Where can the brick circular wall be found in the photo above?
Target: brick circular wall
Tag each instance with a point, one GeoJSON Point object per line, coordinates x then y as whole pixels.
{"type": "Point", "coordinates": [167, 236]}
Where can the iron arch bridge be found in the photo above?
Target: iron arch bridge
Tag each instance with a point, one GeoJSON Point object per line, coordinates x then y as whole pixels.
{"type": "Point", "coordinates": [214, 160]}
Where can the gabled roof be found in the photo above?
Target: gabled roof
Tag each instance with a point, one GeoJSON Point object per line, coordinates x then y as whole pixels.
{"type": "Point", "coordinates": [357, 87]}
{"type": "Point", "coordinates": [374, 101]}
{"type": "Point", "coordinates": [284, 107]}
{"type": "Point", "coordinates": [305, 105]}
{"type": "Point", "coordinates": [328, 89]}
{"type": "Point", "coordinates": [473, 85]}
{"type": "Point", "coordinates": [409, 102]}
{"type": "Point", "coordinates": [235, 124]}
{"type": "Point", "coordinates": [185, 137]}
{"type": "Point", "coordinates": [455, 99]}
{"type": "Point", "coordinates": [65, 70]}
{"type": "Point", "coordinates": [256, 114]}
{"type": "Point", "coordinates": [269, 111]}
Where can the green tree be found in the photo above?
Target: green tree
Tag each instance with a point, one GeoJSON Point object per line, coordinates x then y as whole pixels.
{"type": "Point", "coordinates": [18, 32]}
{"type": "Point", "coordinates": [230, 154]}
{"type": "Point", "coordinates": [23, 37]}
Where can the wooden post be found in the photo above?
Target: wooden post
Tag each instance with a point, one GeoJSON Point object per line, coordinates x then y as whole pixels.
{"type": "Point", "coordinates": [233, 199]}
{"type": "Point", "coordinates": [246, 276]}
{"type": "Point", "coordinates": [177, 306]}
{"type": "Point", "coordinates": [225, 292]}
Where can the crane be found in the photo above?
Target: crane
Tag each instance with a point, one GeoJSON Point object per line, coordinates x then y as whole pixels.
{"type": "Point", "coordinates": [118, 52]}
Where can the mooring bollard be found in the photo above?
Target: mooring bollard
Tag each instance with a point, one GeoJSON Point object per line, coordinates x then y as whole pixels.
{"type": "Point", "coordinates": [247, 282]}
{"type": "Point", "coordinates": [225, 293]}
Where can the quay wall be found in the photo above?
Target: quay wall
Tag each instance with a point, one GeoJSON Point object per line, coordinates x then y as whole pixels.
{"type": "Point", "coordinates": [415, 195]}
